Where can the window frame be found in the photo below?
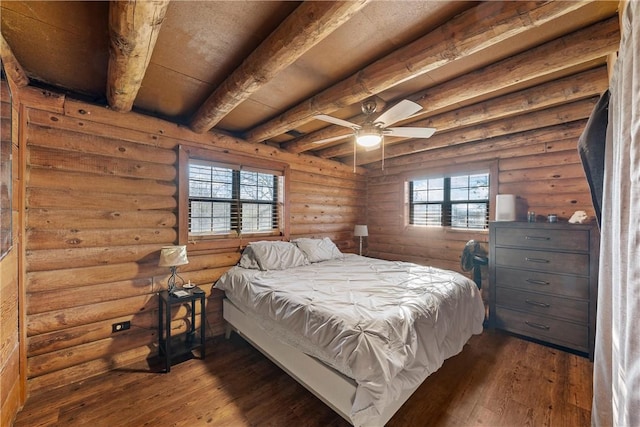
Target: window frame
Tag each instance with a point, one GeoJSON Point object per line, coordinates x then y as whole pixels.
{"type": "Point", "coordinates": [490, 167]}
{"type": "Point", "coordinates": [236, 162]}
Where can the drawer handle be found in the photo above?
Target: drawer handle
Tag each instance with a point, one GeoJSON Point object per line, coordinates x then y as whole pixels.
{"type": "Point", "coordinates": [537, 282]}
{"type": "Point", "coordinates": [537, 238]}
{"type": "Point", "coordinates": [537, 304]}
{"type": "Point", "coordinates": [537, 325]}
{"type": "Point", "coordinates": [538, 260]}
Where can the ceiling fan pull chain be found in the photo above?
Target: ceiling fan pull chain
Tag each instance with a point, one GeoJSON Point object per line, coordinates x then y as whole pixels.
{"type": "Point", "coordinates": [355, 148]}
{"type": "Point", "coordinates": [382, 149]}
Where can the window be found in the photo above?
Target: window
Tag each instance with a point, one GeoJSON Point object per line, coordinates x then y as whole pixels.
{"type": "Point", "coordinates": [459, 201]}
{"type": "Point", "coordinates": [228, 196]}
{"type": "Point", "coordinates": [223, 200]}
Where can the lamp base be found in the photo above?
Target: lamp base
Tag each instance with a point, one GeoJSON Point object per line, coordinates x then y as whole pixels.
{"type": "Point", "coordinates": [172, 283]}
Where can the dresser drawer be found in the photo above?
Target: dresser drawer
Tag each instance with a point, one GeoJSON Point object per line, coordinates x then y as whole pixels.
{"type": "Point", "coordinates": [557, 262]}
{"type": "Point", "coordinates": [555, 331]}
{"type": "Point", "coordinates": [547, 305]}
{"type": "Point", "coordinates": [541, 238]}
{"type": "Point", "coordinates": [557, 284]}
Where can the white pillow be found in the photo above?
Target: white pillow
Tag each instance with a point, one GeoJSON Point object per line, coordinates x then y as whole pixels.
{"type": "Point", "coordinates": [317, 250]}
{"type": "Point", "coordinates": [248, 259]}
{"type": "Point", "coordinates": [272, 255]}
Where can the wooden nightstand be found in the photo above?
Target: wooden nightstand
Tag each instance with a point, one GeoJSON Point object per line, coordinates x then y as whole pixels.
{"type": "Point", "coordinates": [169, 348]}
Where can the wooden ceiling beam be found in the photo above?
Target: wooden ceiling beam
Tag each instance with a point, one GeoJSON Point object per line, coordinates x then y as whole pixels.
{"type": "Point", "coordinates": [500, 147]}
{"type": "Point", "coordinates": [309, 24]}
{"type": "Point", "coordinates": [588, 44]}
{"type": "Point", "coordinates": [133, 27]}
{"type": "Point", "coordinates": [564, 90]}
{"type": "Point", "coordinates": [13, 69]}
{"type": "Point", "coordinates": [470, 32]}
{"type": "Point", "coordinates": [551, 116]}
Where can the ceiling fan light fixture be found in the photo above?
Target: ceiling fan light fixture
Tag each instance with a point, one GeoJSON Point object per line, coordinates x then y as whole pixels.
{"type": "Point", "coordinates": [369, 136]}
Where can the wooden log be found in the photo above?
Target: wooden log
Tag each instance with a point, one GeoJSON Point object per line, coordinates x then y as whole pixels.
{"type": "Point", "coordinates": [73, 238]}
{"type": "Point", "coordinates": [320, 209]}
{"type": "Point", "coordinates": [549, 186]}
{"type": "Point", "coordinates": [323, 189]}
{"type": "Point", "coordinates": [580, 47]}
{"type": "Point", "coordinates": [80, 181]}
{"type": "Point", "coordinates": [327, 199]}
{"type": "Point", "coordinates": [562, 200]}
{"type": "Point", "coordinates": [213, 141]}
{"type": "Point", "coordinates": [13, 398]}
{"type": "Point", "coordinates": [76, 316]}
{"type": "Point", "coordinates": [15, 73]}
{"type": "Point", "coordinates": [79, 162]}
{"type": "Point", "coordinates": [47, 219]}
{"type": "Point", "coordinates": [353, 181]}
{"type": "Point", "coordinates": [9, 378]}
{"type": "Point", "coordinates": [569, 144]}
{"type": "Point", "coordinates": [133, 28]}
{"type": "Point", "coordinates": [301, 219]}
{"type": "Point", "coordinates": [83, 125]}
{"type": "Point", "coordinates": [71, 337]}
{"type": "Point", "coordinates": [306, 26]}
{"type": "Point", "coordinates": [571, 88]}
{"type": "Point", "coordinates": [495, 145]}
{"type": "Point", "coordinates": [540, 160]}
{"type": "Point", "coordinates": [49, 280]}
{"type": "Point", "coordinates": [54, 198]}
{"type": "Point", "coordinates": [551, 116]}
{"type": "Point", "coordinates": [320, 228]}
{"type": "Point", "coordinates": [78, 142]}
{"type": "Point", "coordinates": [428, 53]}
{"type": "Point", "coordinates": [205, 278]}
{"type": "Point", "coordinates": [5, 104]}
{"type": "Point", "coordinates": [5, 129]}
{"type": "Point", "coordinates": [41, 300]}
{"type": "Point", "coordinates": [32, 97]}
{"type": "Point", "coordinates": [543, 173]}
{"type": "Point", "coordinates": [9, 338]}
{"type": "Point", "coordinates": [88, 369]}
{"type": "Point", "coordinates": [57, 360]}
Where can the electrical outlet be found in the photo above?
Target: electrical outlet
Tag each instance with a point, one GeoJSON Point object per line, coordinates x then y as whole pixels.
{"type": "Point", "coordinates": [121, 326]}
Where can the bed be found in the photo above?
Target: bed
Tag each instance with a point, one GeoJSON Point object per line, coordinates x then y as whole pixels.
{"type": "Point", "coordinates": [360, 333]}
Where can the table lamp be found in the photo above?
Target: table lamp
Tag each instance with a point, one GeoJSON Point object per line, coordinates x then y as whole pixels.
{"type": "Point", "coordinates": [172, 257]}
{"type": "Point", "coordinates": [360, 231]}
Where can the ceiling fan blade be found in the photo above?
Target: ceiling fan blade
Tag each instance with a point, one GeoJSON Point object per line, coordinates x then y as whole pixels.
{"type": "Point", "coordinates": [410, 132]}
{"type": "Point", "coordinates": [336, 121]}
{"type": "Point", "coordinates": [401, 110]}
{"type": "Point", "coordinates": [333, 138]}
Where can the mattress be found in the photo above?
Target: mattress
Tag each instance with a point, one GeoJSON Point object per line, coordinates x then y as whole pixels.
{"type": "Point", "coordinates": [385, 324]}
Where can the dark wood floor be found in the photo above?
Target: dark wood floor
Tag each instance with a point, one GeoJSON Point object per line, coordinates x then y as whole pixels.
{"type": "Point", "coordinates": [497, 380]}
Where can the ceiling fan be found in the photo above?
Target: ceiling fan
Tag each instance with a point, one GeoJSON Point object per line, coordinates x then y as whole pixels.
{"type": "Point", "coordinates": [371, 133]}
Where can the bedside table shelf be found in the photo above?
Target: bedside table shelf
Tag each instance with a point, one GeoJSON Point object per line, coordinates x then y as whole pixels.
{"type": "Point", "coordinates": [170, 347]}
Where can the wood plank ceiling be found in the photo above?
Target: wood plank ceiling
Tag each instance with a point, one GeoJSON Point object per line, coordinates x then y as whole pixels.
{"type": "Point", "coordinates": [261, 70]}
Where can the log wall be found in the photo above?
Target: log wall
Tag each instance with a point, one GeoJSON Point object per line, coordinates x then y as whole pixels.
{"type": "Point", "coordinates": [101, 200]}
{"type": "Point", "coordinates": [11, 389]}
{"type": "Point", "coordinates": [532, 155]}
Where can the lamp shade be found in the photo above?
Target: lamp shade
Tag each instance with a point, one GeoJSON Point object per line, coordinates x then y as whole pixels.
{"type": "Point", "coordinates": [360, 231]}
{"type": "Point", "coordinates": [505, 207]}
{"type": "Point", "coordinates": [171, 256]}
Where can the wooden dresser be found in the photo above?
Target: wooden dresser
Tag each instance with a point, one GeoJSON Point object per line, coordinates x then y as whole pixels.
{"type": "Point", "coordinates": [543, 281]}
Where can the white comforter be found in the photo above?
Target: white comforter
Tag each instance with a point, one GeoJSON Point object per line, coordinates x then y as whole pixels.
{"type": "Point", "coordinates": [386, 324]}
